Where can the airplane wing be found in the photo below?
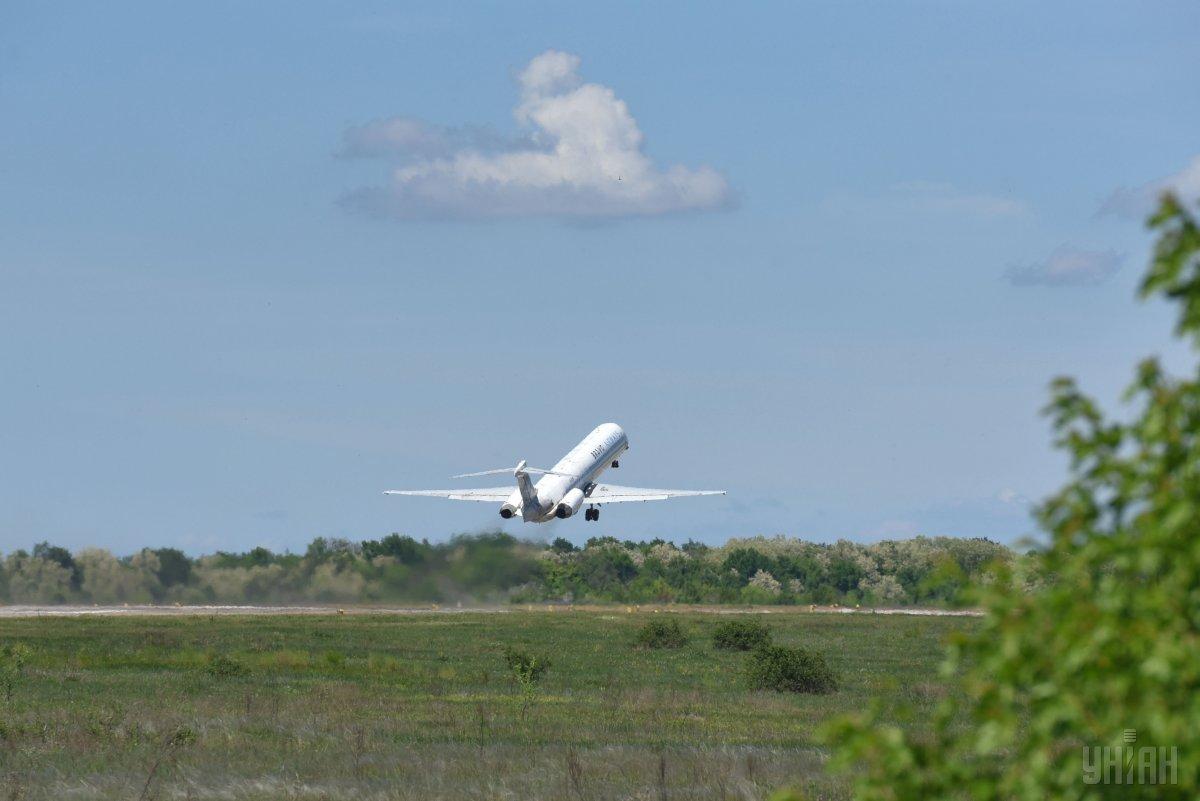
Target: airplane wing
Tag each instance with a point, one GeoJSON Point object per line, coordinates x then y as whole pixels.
{"type": "Point", "coordinates": [611, 493]}
{"type": "Point", "coordinates": [487, 494]}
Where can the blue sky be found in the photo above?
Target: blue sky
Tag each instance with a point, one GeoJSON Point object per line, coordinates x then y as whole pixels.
{"type": "Point", "coordinates": [251, 277]}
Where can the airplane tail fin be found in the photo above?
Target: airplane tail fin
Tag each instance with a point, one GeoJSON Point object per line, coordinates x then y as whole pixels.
{"type": "Point", "coordinates": [529, 498]}
{"type": "Point", "coordinates": [530, 505]}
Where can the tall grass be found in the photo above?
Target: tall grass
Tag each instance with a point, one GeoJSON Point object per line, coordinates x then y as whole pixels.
{"type": "Point", "coordinates": [414, 707]}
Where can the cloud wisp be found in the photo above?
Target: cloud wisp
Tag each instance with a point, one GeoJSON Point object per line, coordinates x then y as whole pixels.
{"type": "Point", "coordinates": [944, 198]}
{"type": "Point", "coordinates": [1138, 202]}
{"type": "Point", "coordinates": [927, 200]}
{"type": "Point", "coordinates": [581, 158]}
{"type": "Point", "coordinates": [408, 139]}
{"type": "Point", "coordinates": [1067, 266]}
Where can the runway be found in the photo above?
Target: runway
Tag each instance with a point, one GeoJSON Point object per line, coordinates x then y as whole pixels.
{"type": "Point", "coordinates": [151, 610]}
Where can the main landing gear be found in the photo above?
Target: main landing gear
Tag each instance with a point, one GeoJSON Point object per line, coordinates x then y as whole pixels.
{"type": "Point", "coordinates": [591, 513]}
{"type": "Point", "coordinates": [616, 463]}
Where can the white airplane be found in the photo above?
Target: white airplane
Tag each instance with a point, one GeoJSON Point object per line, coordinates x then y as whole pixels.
{"type": "Point", "coordinates": [566, 487]}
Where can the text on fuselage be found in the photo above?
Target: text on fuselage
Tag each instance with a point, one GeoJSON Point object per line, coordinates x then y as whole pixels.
{"type": "Point", "coordinates": [604, 446]}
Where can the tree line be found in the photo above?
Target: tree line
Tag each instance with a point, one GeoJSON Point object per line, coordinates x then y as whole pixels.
{"type": "Point", "coordinates": [497, 567]}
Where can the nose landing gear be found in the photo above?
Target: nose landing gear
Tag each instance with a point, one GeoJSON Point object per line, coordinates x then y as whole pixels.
{"type": "Point", "coordinates": [591, 513]}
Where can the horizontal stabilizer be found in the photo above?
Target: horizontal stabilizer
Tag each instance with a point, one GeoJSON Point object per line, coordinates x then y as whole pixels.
{"type": "Point", "coordinates": [486, 494]}
{"type": "Point", "coordinates": [520, 468]}
{"type": "Point", "coordinates": [611, 493]}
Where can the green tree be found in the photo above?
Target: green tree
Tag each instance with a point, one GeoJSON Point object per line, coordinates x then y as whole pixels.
{"type": "Point", "coordinates": [747, 561]}
{"type": "Point", "coordinates": [605, 568]}
{"type": "Point", "coordinates": [1111, 641]}
{"type": "Point", "coordinates": [845, 574]}
{"type": "Point", "coordinates": [173, 566]}
{"type": "Point", "coordinates": [944, 582]}
{"type": "Point", "coordinates": [561, 545]}
{"type": "Point", "coordinates": [404, 550]}
{"type": "Point", "coordinates": [489, 562]}
{"type": "Point", "coordinates": [39, 581]}
{"type": "Point", "coordinates": [59, 556]}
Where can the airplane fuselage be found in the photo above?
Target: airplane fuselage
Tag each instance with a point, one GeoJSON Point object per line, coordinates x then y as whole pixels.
{"type": "Point", "coordinates": [565, 489]}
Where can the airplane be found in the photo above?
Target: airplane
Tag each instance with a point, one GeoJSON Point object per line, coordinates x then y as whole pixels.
{"type": "Point", "coordinates": [564, 488]}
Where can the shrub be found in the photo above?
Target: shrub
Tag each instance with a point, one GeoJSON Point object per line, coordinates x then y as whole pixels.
{"type": "Point", "coordinates": [526, 667]}
{"type": "Point", "coordinates": [224, 667]}
{"type": "Point", "coordinates": [1105, 642]}
{"type": "Point", "coordinates": [794, 670]}
{"type": "Point", "coordinates": [661, 634]}
{"type": "Point", "coordinates": [12, 667]}
{"type": "Point", "coordinates": [741, 635]}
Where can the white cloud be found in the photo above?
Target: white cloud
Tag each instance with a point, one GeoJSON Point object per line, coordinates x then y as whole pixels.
{"type": "Point", "coordinates": [582, 159]}
{"type": "Point", "coordinates": [1067, 266]}
{"type": "Point", "coordinates": [1139, 202]}
{"type": "Point", "coordinates": [1008, 495]}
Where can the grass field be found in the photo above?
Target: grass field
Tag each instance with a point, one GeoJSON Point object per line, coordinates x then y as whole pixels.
{"type": "Point", "coordinates": [424, 707]}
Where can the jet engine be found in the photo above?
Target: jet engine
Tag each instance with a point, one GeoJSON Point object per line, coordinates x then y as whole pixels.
{"type": "Point", "coordinates": [570, 503]}
{"type": "Point", "coordinates": [507, 511]}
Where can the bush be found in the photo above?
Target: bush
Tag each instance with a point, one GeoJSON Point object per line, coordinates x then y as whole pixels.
{"type": "Point", "coordinates": [526, 667]}
{"type": "Point", "coordinates": [741, 635]}
{"type": "Point", "coordinates": [224, 667]}
{"type": "Point", "coordinates": [661, 634]}
{"type": "Point", "coordinates": [793, 670]}
{"type": "Point", "coordinates": [1097, 636]}
{"type": "Point", "coordinates": [12, 667]}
